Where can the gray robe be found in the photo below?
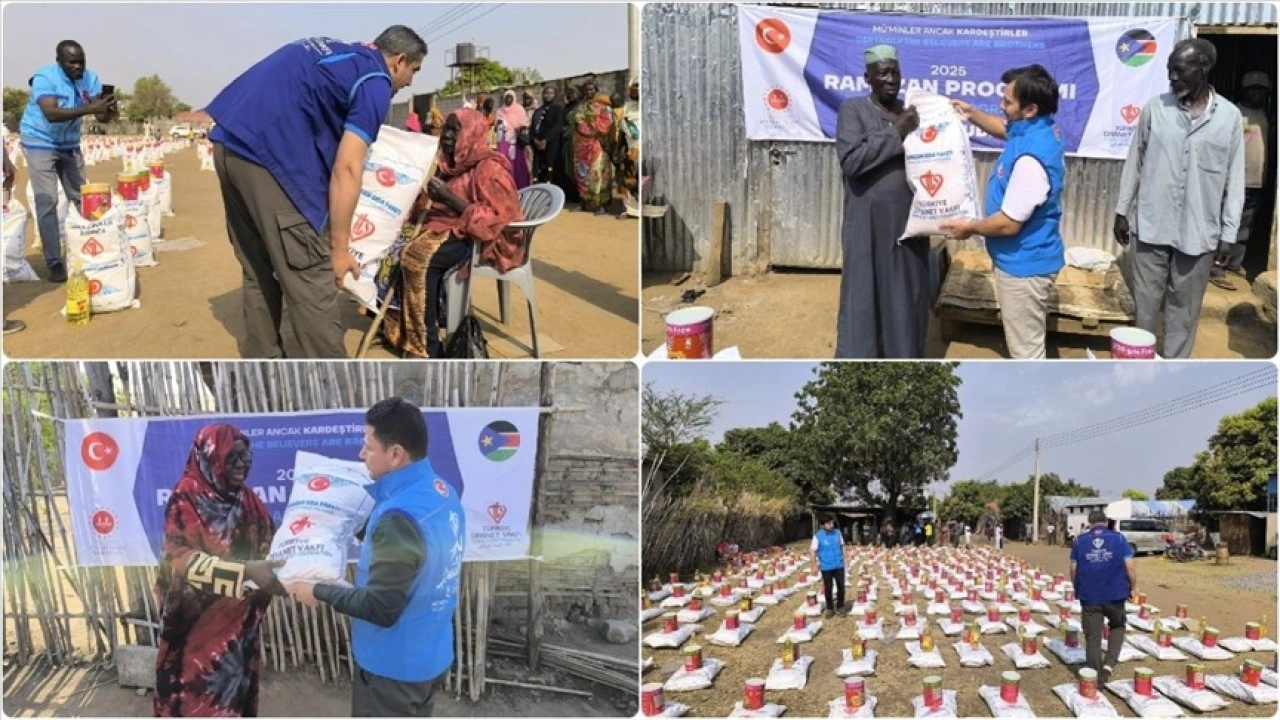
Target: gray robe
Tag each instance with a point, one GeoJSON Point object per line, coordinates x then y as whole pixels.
{"type": "Point", "coordinates": [884, 285]}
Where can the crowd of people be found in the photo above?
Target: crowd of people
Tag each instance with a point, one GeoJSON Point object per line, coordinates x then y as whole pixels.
{"type": "Point", "coordinates": [586, 142]}
{"type": "Point", "coordinates": [1184, 208]}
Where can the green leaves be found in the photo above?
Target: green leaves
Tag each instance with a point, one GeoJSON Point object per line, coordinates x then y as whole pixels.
{"type": "Point", "coordinates": [15, 103]}
{"type": "Point", "coordinates": [1232, 474]}
{"type": "Point", "coordinates": [485, 76]}
{"type": "Point", "coordinates": [152, 98]}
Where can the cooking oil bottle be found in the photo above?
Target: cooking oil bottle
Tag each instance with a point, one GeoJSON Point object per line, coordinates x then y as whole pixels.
{"type": "Point", "coordinates": [78, 310]}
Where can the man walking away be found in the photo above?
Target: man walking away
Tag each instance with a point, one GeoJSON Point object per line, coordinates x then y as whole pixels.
{"type": "Point", "coordinates": [1255, 90]}
{"type": "Point", "coordinates": [407, 578]}
{"type": "Point", "coordinates": [1181, 195]}
{"type": "Point", "coordinates": [827, 549]}
{"type": "Point", "coordinates": [1104, 576]}
{"type": "Point", "coordinates": [290, 186]}
{"type": "Point", "coordinates": [61, 95]}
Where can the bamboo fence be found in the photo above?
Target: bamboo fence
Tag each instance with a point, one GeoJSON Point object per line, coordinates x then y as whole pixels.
{"type": "Point", "coordinates": [57, 611]}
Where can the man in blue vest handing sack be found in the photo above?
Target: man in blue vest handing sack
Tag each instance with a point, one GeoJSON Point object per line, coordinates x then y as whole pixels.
{"type": "Point", "coordinates": [1023, 205]}
{"type": "Point", "coordinates": [407, 578]}
{"type": "Point", "coordinates": [828, 555]}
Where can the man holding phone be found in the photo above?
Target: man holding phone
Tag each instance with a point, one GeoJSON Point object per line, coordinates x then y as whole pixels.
{"type": "Point", "coordinates": [61, 95]}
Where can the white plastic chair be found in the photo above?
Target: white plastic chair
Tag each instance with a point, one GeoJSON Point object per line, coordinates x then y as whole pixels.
{"type": "Point", "coordinates": [539, 204]}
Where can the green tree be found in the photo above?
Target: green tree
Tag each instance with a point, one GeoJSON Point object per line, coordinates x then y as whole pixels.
{"type": "Point", "coordinates": [880, 430]}
{"type": "Point", "coordinates": [15, 103]}
{"type": "Point", "coordinates": [966, 498]}
{"type": "Point", "coordinates": [1178, 484]}
{"type": "Point", "coordinates": [1131, 494]}
{"type": "Point", "coordinates": [1242, 454]}
{"type": "Point", "coordinates": [776, 447]}
{"type": "Point", "coordinates": [525, 76]}
{"type": "Point", "coordinates": [181, 108]}
{"type": "Point", "coordinates": [486, 75]}
{"type": "Point", "coordinates": [151, 98]}
{"type": "Point", "coordinates": [671, 423]}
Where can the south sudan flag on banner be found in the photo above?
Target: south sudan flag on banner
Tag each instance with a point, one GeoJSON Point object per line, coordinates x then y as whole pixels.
{"type": "Point", "coordinates": [499, 440]}
{"type": "Point", "coordinates": [1136, 47]}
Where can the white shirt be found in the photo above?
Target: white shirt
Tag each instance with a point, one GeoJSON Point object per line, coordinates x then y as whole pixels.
{"type": "Point", "coordinates": [1028, 189]}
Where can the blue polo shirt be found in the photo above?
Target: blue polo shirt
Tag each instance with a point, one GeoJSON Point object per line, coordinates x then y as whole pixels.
{"type": "Point", "coordinates": [288, 113]}
{"type": "Point", "coordinates": [1099, 555]}
{"type": "Point", "coordinates": [50, 81]}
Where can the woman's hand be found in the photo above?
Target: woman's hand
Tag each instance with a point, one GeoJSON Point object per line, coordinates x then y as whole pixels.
{"type": "Point", "coordinates": [439, 191]}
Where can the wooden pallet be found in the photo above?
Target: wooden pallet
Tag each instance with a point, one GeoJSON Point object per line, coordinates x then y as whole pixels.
{"type": "Point", "coordinates": [950, 316]}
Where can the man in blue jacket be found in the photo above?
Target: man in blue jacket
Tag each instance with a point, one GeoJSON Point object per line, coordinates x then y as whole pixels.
{"type": "Point", "coordinates": [1105, 576]}
{"type": "Point", "coordinates": [1023, 205]}
{"type": "Point", "coordinates": [827, 549]}
{"type": "Point", "coordinates": [61, 95]}
{"type": "Point", "coordinates": [289, 150]}
{"type": "Point", "coordinates": [407, 578]}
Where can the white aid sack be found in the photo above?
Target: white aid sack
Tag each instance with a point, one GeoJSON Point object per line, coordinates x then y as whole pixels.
{"type": "Point", "coordinates": [1031, 628]}
{"type": "Point", "coordinates": [1128, 653]}
{"type": "Point", "coordinates": [850, 667]}
{"type": "Point", "coordinates": [154, 215]}
{"type": "Point", "coordinates": [752, 615]}
{"type": "Point", "coordinates": [921, 659]}
{"type": "Point", "coordinates": [907, 632]}
{"type": "Point", "coordinates": [772, 710]}
{"type": "Point", "coordinates": [165, 187]}
{"type": "Point", "coordinates": [946, 710]}
{"type": "Point", "coordinates": [1152, 648]}
{"type": "Point", "coordinates": [674, 709]}
{"type": "Point", "coordinates": [1242, 644]}
{"type": "Point", "coordinates": [395, 169]}
{"type": "Point", "coordinates": [1082, 706]}
{"type": "Point", "coordinates": [1154, 705]}
{"type": "Point", "coordinates": [813, 611]}
{"type": "Point", "coordinates": [671, 639]}
{"type": "Point", "coordinates": [1068, 655]}
{"type": "Point", "coordinates": [726, 600]}
{"type": "Point", "coordinates": [64, 205]}
{"type": "Point", "coordinates": [137, 230]}
{"type": "Point", "coordinates": [1269, 676]}
{"type": "Point", "coordinates": [973, 607]}
{"type": "Point", "coordinates": [1001, 709]}
{"type": "Point", "coordinates": [904, 608]}
{"type": "Point", "coordinates": [101, 249]}
{"type": "Point", "coordinates": [651, 613]}
{"type": "Point", "coordinates": [327, 506]}
{"type": "Point", "coordinates": [802, 636]}
{"type": "Point", "coordinates": [688, 617]}
{"type": "Point", "coordinates": [768, 600]}
{"type": "Point", "coordinates": [788, 678]}
{"type": "Point", "coordinates": [971, 656]}
{"type": "Point", "coordinates": [1013, 651]}
{"type": "Point", "coordinates": [838, 709]}
{"type": "Point", "coordinates": [646, 664]}
{"type": "Point", "coordinates": [730, 638]}
{"type": "Point", "coordinates": [660, 595]}
{"type": "Point", "coordinates": [16, 219]}
{"type": "Point", "coordinates": [674, 602]}
{"type": "Point", "coordinates": [206, 157]}
{"type": "Point", "coordinates": [938, 609]}
{"type": "Point", "coordinates": [874, 631]}
{"type": "Point", "coordinates": [861, 609]}
{"type": "Point", "coordinates": [1145, 625]}
{"type": "Point", "coordinates": [1193, 646]}
{"type": "Point", "coordinates": [992, 628]}
{"type": "Point", "coordinates": [700, 679]}
{"type": "Point", "coordinates": [1232, 686]}
{"type": "Point", "coordinates": [1039, 606]}
{"type": "Point", "coordinates": [1200, 700]}
{"type": "Point", "coordinates": [950, 628]}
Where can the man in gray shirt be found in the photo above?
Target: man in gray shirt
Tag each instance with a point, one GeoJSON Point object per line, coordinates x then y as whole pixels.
{"type": "Point", "coordinates": [1183, 190]}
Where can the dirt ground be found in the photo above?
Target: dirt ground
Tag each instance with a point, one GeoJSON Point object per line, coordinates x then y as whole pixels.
{"type": "Point", "coordinates": [895, 682]}
{"type": "Point", "coordinates": [793, 315]}
{"type": "Point", "coordinates": [584, 266]}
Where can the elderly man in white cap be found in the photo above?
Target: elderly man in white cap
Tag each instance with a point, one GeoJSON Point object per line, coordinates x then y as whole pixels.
{"type": "Point", "coordinates": [884, 284]}
{"type": "Point", "coordinates": [1255, 90]}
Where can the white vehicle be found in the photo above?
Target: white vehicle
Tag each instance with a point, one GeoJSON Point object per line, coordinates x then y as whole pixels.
{"type": "Point", "coordinates": [180, 131]}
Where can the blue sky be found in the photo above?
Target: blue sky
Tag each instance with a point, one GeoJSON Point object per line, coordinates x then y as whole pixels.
{"type": "Point", "coordinates": [1007, 405]}
{"type": "Point", "coordinates": [190, 46]}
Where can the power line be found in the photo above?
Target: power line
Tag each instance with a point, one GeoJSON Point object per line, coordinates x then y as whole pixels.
{"type": "Point", "coordinates": [447, 16]}
{"type": "Point", "coordinates": [1009, 462]}
{"type": "Point", "coordinates": [441, 34]}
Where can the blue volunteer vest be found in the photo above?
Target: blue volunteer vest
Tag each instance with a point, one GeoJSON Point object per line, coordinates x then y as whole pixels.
{"type": "Point", "coordinates": [830, 554]}
{"type": "Point", "coordinates": [288, 113]}
{"type": "Point", "coordinates": [419, 646]}
{"type": "Point", "coordinates": [1037, 248]}
{"type": "Point", "coordinates": [1101, 577]}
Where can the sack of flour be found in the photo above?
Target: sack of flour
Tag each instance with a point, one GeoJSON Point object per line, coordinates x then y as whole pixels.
{"type": "Point", "coordinates": [101, 248]}
{"type": "Point", "coordinates": [940, 166]}
{"type": "Point", "coordinates": [327, 507]}
{"type": "Point", "coordinates": [395, 170]}
{"type": "Point", "coordinates": [16, 219]}
{"type": "Point", "coordinates": [137, 230]}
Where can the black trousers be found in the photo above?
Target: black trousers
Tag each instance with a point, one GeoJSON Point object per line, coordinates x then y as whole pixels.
{"type": "Point", "coordinates": [1092, 617]}
{"type": "Point", "coordinates": [377, 696]}
{"type": "Point", "coordinates": [449, 254]}
{"type": "Point", "coordinates": [837, 577]}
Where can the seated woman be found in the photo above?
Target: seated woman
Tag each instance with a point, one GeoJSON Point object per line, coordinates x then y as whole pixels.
{"type": "Point", "coordinates": [472, 199]}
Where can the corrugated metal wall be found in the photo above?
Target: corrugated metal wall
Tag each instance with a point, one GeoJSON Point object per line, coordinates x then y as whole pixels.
{"type": "Point", "coordinates": [785, 198]}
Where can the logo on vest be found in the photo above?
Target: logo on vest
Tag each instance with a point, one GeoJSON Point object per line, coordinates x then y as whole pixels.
{"type": "Point", "coordinates": [99, 451]}
{"type": "Point", "coordinates": [362, 228]}
{"type": "Point", "coordinates": [772, 35]}
{"type": "Point", "coordinates": [777, 99]}
{"type": "Point", "coordinates": [1099, 542]}
{"type": "Point", "coordinates": [302, 523]}
{"type": "Point", "coordinates": [1130, 113]}
{"type": "Point", "coordinates": [932, 182]}
{"type": "Point", "coordinates": [441, 488]}
{"type": "Point", "coordinates": [104, 523]}
{"type": "Point", "coordinates": [497, 511]}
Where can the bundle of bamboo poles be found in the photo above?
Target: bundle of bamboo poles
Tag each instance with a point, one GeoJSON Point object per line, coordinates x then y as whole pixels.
{"type": "Point", "coordinates": [609, 671]}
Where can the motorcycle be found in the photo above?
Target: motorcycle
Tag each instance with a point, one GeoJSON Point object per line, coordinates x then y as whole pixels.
{"type": "Point", "coordinates": [1182, 550]}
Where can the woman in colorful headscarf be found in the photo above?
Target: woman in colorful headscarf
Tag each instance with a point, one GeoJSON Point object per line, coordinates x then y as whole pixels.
{"type": "Point", "coordinates": [513, 120]}
{"type": "Point", "coordinates": [593, 169]}
{"type": "Point", "coordinates": [216, 534]}
{"type": "Point", "coordinates": [435, 122]}
{"type": "Point", "coordinates": [629, 155]}
{"type": "Point", "coordinates": [471, 200]}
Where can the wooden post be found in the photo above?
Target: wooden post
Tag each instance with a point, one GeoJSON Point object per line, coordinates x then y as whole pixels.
{"type": "Point", "coordinates": [546, 382]}
{"type": "Point", "coordinates": [715, 256]}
